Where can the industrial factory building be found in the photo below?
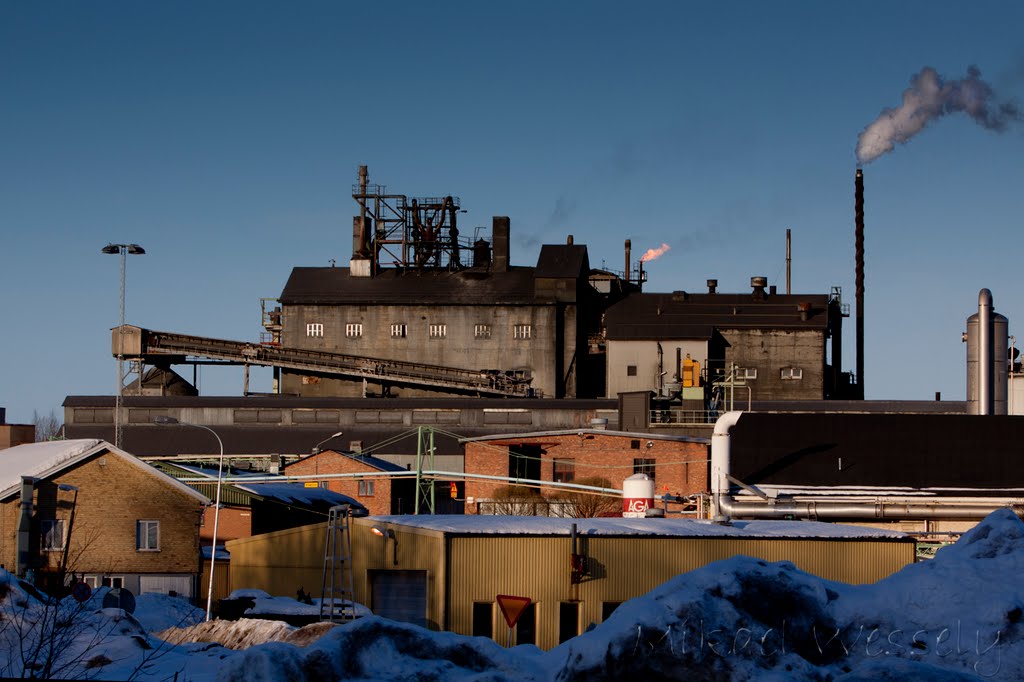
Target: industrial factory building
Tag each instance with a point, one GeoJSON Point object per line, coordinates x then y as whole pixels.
{"type": "Point", "coordinates": [446, 572]}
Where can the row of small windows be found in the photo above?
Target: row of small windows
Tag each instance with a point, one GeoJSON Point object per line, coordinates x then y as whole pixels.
{"type": "Point", "coordinates": [745, 373]}
{"type": "Point", "coordinates": [435, 331]}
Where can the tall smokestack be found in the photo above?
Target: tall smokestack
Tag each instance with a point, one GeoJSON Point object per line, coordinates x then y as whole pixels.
{"type": "Point", "coordinates": [500, 236]}
{"type": "Point", "coordinates": [858, 207]}
{"type": "Point", "coordinates": [986, 361]}
{"type": "Point", "coordinates": [789, 260]}
{"type": "Point", "coordinates": [628, 249]}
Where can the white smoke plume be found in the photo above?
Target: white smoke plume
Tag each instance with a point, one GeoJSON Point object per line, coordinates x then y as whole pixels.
{"type": "Point", "coordinates": [928, 98]}
{"type": "Point", "coordinates": [651, 254]}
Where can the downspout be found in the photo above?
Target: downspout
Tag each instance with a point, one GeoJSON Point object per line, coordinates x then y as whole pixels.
{"type": "Point", "coordinates": [724, 505]}
{"type": "Point", "coordinates": [25, 524]}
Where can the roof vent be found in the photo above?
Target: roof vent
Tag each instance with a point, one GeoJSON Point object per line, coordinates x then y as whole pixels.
{"type": "Point", "coordinates": [712, 286]}
{"type": "Point", "coordinates": [758, 284]}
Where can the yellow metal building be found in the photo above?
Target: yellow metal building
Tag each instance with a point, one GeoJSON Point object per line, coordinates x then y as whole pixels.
{"type": "Point", "coordinates": [446, 572]}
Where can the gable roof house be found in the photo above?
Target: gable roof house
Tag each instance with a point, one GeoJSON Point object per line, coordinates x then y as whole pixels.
{"type": "Point", "coordinates": [87, 508]}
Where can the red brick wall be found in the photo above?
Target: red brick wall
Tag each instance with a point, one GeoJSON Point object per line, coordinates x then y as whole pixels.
{"type": "Point", "coordinates": [681, 466]}
{"type": "Point", "coordinates": [330, 462]}
{"type": "Point", "coordinates": [234, 523]}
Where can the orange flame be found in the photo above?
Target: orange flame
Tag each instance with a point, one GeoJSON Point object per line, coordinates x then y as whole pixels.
{"type": "Point", "coordinates": [651, 254]}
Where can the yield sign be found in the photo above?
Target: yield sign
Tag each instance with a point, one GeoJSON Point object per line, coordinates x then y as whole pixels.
{"type": "Point", "coordinates": [512, 607]}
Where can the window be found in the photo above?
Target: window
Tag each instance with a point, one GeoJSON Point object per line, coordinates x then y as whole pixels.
{"type": "Point", "coordinates": [114, 582]}
{"type": "Point", "coordinates": [524, 461]}
{"type": "Point", "coordinates": [314, 329]}
{"type": "Point", "coordinates": [744, 373]}
{"type": "Point", "coordinates": [608, 608]}
{"type": "Point", "coordinates": [147, 536]}
{"type": "Point", "coordinates": [52, 535]}
{"type": "Point", "coordinates": [526, 626]}
{"type": "Point", "coordinates": [398, 331]}
{"type": "Point", "coordinates": [353, 330]}
{"type": "Point", "coordinates": [438, 331]}
{"type": "Point", "coordinates": [483, 619]}
{"type": "Point", "coordinates": [366, 488]}
{"type": "Point", "coordinates": [568, 620]}
{"type": "Point", "coordinates": [630, 370]}
{"type": "Point", "coordinates": [521, 331]}
{"type": "Point", "coordinates": [792, 374]}
{"type": "Point", "coordinates": [565, 471]}
{"type": "Point", "coordinates": [482, 331]}
{"type": "Point", "coordinates": [643, 466]}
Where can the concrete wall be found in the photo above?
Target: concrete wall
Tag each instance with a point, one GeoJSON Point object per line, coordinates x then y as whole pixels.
{"type": "Point", "coordinates": [771, 351]}
{"type": "Point", "coordinates": [644, 356]}
{"type": "Point", "coordinates": [540, 354]}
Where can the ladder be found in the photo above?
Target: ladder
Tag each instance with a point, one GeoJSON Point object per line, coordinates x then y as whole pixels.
{"type": "Point", "coordinates": [336, 595]}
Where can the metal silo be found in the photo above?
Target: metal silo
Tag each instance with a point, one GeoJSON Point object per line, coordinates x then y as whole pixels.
{"type": "Point", "coordinates": [987, 341]}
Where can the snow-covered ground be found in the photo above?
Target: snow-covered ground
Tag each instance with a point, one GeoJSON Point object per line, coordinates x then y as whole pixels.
{"type": "Point", "coordinates": [957, 617]}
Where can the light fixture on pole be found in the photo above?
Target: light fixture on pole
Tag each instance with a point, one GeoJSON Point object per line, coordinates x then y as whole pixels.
{"type": "Point", "coordinates": [123, 250]}
{"type": "Point", "coordinates": [216, 506]}
{"type": "Point", "coordinates": [316, 448]}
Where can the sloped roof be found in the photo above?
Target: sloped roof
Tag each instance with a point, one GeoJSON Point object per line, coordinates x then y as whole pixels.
{"type": "Point", "coordinates": [563, 261]}
{"type": "Point", "coordinates": [683, 315]}
{"type": "Point", "coordinates": [332, 286]}
{"type": "Point", "coordinates": [44, 460]}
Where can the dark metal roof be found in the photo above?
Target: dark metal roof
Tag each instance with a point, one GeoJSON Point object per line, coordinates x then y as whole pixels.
{"type": "Point", "coordinates": [954, 452]}
{"type": "Point", "coordinates": [694, 316]}
{"type": "Point", "coordinates": [333, 286]}
{"type": "Point", "coordinates": [297, 402]}
{"type": "Point", "coordinates": [563, 261]}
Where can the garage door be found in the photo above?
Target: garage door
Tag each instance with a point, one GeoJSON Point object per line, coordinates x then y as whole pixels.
{"type": "Point", "coordinates": [165, 584]}
{"type": "Point", "coordinates": [400, 595]}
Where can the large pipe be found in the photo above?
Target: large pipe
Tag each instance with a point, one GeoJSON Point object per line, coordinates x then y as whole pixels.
{"type": "Point", "coordinates": [986, 364]}
{"type": "Point", "coordinates": [724, 505]}
{"type": "Point", "coordinates": [858, 206]}
{"type": "Point", "coordinates": [25, 525]}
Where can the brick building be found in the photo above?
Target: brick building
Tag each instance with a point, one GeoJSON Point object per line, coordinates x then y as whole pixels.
{"type": "Point", "coordinates": [365, 478]}
{"type": "Point", "coordinates": [678, 464]}
{"type": "Point", "coordinates": [88, 508]}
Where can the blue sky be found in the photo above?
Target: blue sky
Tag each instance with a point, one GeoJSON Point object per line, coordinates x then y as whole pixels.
{"type": "Point", "coordinates": [225, 138]}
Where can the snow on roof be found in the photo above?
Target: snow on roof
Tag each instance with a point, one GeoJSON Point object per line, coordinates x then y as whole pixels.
{"type": "Point", "coordinates": [42, 460]}
{"type": "Point", "coordinates": [297, 493]}
{"type": "Point", "coordinates": [666, 527]}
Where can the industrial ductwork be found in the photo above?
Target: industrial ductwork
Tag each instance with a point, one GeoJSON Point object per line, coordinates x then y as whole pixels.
{"type": "Point", "coordinates": [761, 505]}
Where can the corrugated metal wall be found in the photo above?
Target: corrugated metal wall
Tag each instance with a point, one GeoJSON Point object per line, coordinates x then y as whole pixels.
{"type": "Point", "coordinates": [623, 568]}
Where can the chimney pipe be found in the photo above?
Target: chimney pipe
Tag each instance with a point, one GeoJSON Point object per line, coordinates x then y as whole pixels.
{"type": "Point", "coordinates": [568, 240]}
{"type": "Point", "coordinates": [628, 270]}
{"type": "Point", "coordinates": [24, 554]}
{"type": "Point", "coordinates": [858, 207]}
{"type": "Point", "coordinates": [789, 259]}
{"type": "Point", "coordinates": [500, 235]}
{"type": "Point", "coordinates": [986, 363]}
{"type": "Point", "coordinates": [712, 286]}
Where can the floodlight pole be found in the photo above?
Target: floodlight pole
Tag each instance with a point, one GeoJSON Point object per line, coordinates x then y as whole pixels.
{"type": "Point", "coordinates": [123, 250]}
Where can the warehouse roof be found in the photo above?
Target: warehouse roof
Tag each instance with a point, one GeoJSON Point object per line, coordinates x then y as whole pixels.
{"type": "Point", "coordinates": [663, 527]}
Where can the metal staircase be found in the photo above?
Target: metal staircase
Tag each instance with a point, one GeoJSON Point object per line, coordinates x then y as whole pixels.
{"type": "Point", "coordinates": [336, 593]}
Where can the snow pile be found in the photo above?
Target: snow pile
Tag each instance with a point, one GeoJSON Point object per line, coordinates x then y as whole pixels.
{"type": "Point", "coordinates": [743, 618]}
{"type": "Point", "coordinates": [957, 617]}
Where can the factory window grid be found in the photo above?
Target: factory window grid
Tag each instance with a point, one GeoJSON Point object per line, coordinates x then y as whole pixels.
{"type": "Point", "coordinates": [314, 329]}
{"type": "Point", "coordinates": [399, 331]}
{"type": "Point", "coordinates": [353, 330]}
{"type": "Point", "coordinates": [792, 374]}
{"type": "Point", "coordinates": [52, 532]}
{"type": "Point", "coordinates": [564, 471]}
{"type": "Point", "coordinates": [644, 465]}
{"type": "Point", "coordinates": [438, 331]}
{"type": "Point", "coordinates": [522, 331]}
{"type": "Point", "coordinates": [147, 535]}
{"type": "Point", "coordinates": [482, 331]}
{"type": "Point", "coordinates": [365, 488]}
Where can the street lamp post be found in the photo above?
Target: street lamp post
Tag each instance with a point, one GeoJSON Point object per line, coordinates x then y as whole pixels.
{"type": "Point", "coordinates": [216, 508]}
{"type": "Point", "coordinates": [316, 448]}
{"type": "Point", "coordinates": [123, 250]}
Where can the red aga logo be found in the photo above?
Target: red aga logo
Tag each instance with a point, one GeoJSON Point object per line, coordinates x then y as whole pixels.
{"type": "Point", "coordinates": [638, 505]}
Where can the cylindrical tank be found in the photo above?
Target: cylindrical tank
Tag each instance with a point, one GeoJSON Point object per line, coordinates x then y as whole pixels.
{"type": "Point", "coordinates": [976, 402]}
{"type": "Point", "coordinates": [637, 496]}
{"type": "Point", "coordinates": [481, 253]}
